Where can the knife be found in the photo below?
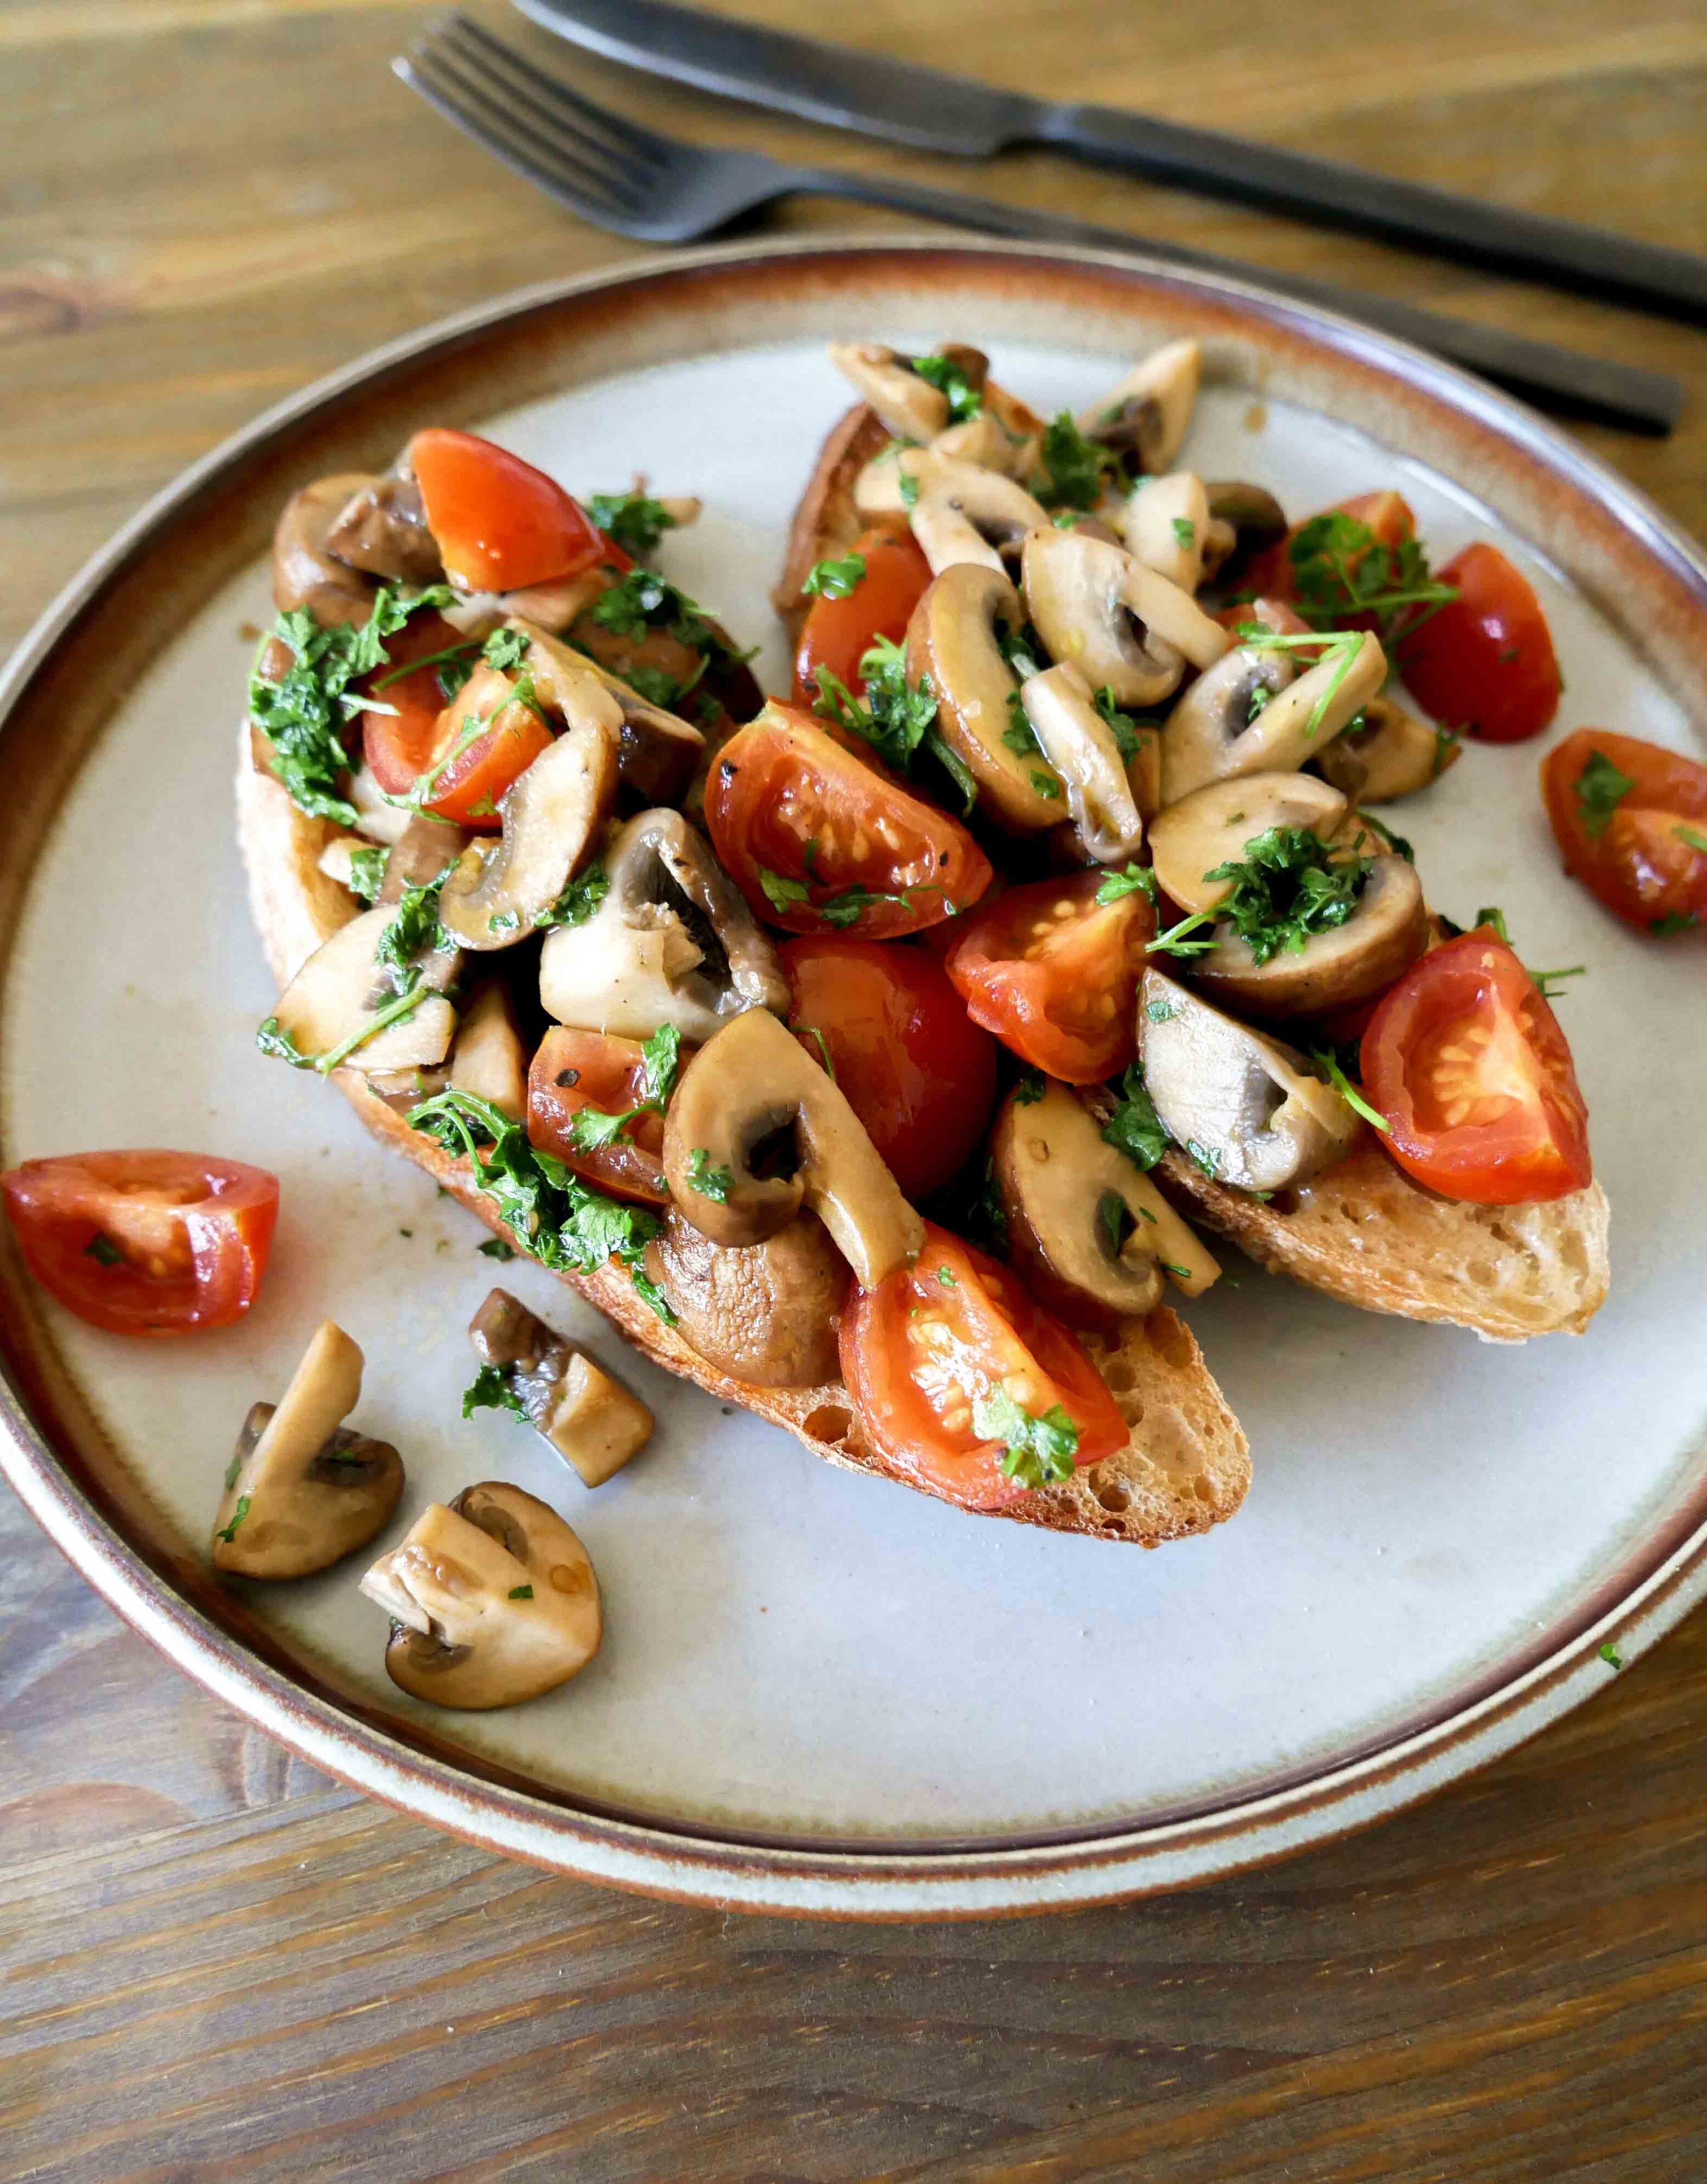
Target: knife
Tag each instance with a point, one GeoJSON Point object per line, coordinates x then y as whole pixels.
{"type": "Point", "coordinates": [908, 104]}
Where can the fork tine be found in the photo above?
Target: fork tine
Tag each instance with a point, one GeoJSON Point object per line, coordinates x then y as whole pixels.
{"type": "Point", "coordinates": [578, 199]}
{"type": "Point", "coordinates": [585, 180]}
{"type": "Point", "coordinates": [517, 106]}
{"type": "Point", "coordinates": [548, 88]}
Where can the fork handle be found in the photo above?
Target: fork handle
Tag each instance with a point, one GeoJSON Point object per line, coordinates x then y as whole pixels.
{"type": "Point", "coordinates": [1559, 379]}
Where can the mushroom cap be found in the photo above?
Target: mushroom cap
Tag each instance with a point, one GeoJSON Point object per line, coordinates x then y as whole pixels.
{"type": "Point", "coordinates": [1388, 930]}
{"type": "Point", "coordinates": [590, 1419]}
{"type": "Point", "coordinates": [1080, 745]}
{"type": "Point", "coordinates": [1165, 523]}
{"type": "Point", "coordinates": [657, 751]}
{"type": "Point", "coordinates": [1240, 1101]}
{"type": "Point", "coordinates": [951, 639]}
{"type": "Point", "coordinates": [1074, 586]}
{"type": "Point", "coordinates": [674, 942]}
{"type": "Point", "coordinates": [1148, 414]}
{"type": "Point", "coordinates": [910, 407]}
{"type": "Point", "coordinates": [486, 1056]}
{"type": "Point", "coordinates": [301, 1491]}
{"type": "Point", "coordinates": [764, 1313]}
{"type": "Point", "coordinates": [305, 573]}
{"type": "Point", "coordinates": [382, 530]}
{"type": "Point", "coordinates": [493, 1600]}
{"type": "Point", "coordinates": [753, 1089]}
{"type": "Point", "coordinates": [1213, 732]}
{"type": "Point", "coordinates": [961, 511]}
{"type": "Point", "coordinates": [1391, 755]}
{"type": "Point", "coordinates": [1211, 827]}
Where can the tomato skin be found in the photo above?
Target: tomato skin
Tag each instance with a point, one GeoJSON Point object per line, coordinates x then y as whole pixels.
{"type": "Point", "coordinates": [1465, 1026]}
{"type": "Point", "coordinates": [1054, 974]}
{"type": "Point", "coordinates": [785, 789]}
{"type": "Point", "coordinates": [499, 523]}
{"type": "Point", "coordinates": [837, 633]}
{"type": "Point", "coordinates": [400, 744]}
{"type": "Point", "coordinates": [609, 1075]}
{"type": "Point", "coordinates": [995, 1333]}
{"type": "Point", "coordinates": [193, 1232]}
{"type": "Point", "coordinates": [1387, 515]}
{"type": "Point", "coordinates": [916, 1070]}
{"type": "Point", "coordinates": [1485, 662]}
{"type": "Point", "coordinates": [1638, 865]}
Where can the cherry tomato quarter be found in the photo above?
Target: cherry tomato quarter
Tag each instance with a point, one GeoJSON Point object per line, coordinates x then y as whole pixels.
{"type": "Point", "coordinates": [838, 632]}
{"type": "Point", "coordinates": [1484, 662]}
{"type": "Point", "coordinates": [145, 1242]}
{"type": "Point", "coordinates": [1631, 821]}
{"type": "Point", "coordinates": [499, 523]}
{"type": "Point", "coordinates": [576, 1070]}
{"type": "Point", "coordinates": [400, 729]}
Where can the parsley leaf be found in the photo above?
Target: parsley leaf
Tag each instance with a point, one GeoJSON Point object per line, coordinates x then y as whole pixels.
{"type": "Point", "coordinates": [414, 931]}
{"type": "Point", "coordinates": [1600, 789]}
{"type": "Point", "coordinates": [1185, 532]}
{"type": "Point", "coordinates": [1121, 726]}
{"type": "Point", "coordinates": [708, 1177]}
{"type": "Point", "coordinates": [494, 1388]}
{"type": "Point", "coordinates": [1114, 1220]}
{"type": "Point", "coordinates": [579, 899]}
{"type": "Point", "coordinates": [1288, 886]}
{"type": "Point", "coordinates": [278, 1045]}
{"type": "Point", "coordinates": [1206, 1157]}
{"type": "Point", "coordinates": [495, 1248]}
{"type": "Point", "coordinates": [1038, 1449]}
{"type": "Point", "coordinates": [229, 1532]}
{"type": "Point", "coordinates": [782, 893]}
{"type": "Point", "coordinates": [1030, 1088]}
{"type": "Point", "coordinates": [1135, 1129]}
{"type": "Point", "coordinates": [1340, 568]}
{"type": "Point", "coordinates": [1073, 467]}
{"type": "Point", "coordinates": [835, 580]}
{"type": "Point", "coordinates": [1137, 880]}
{"type": "Point", "coordinates": [1328, 1064]}
{"type": "Point", "coordinates": [642, 601]}
{"type": "Point", "coordinates": [964, 401]}
{"type": "Point", "coordinates": [1675, 920]}
{"type": "Point", "coordinates": [368, 871]}
{"type": "Point", "coordinates": [1609, 1653]}
{"type": "Point", "coordinates": [520, 1592]}
{"type": "Point", "coordinates": [634, 521]}
{"type": "Point", "coordinates": [103, 1250]}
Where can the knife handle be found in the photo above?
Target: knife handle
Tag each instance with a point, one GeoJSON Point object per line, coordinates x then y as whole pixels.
{"type": "Point", "coordinates": [1558, 379]}
{"type": "Point", "coordinates": [1589, 260]}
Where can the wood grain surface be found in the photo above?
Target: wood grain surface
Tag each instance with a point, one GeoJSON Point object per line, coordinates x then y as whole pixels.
{"type": "Point", "coordinates": [217, 1963]}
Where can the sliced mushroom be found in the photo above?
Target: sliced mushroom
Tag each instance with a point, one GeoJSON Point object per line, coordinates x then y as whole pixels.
{"type": "Point", "coordinates": [425, 849]}
{"type": "Point", "coordinates": [1220, 727]}
{"type": "Point", "coordinates": [487, 1057]}
{"type": "Point", "coordinates": [492, 1600]}
{"type": "Point", "coordinates": [879, 496]}
{"type": "Point", "coordinates": [764, 1313]}
{"type": "Point", "coordinates": [1145, 418]}
{"type": "Point", "coordinates": [337, 859]}
{"type": "Point", "coordinates": [1245, 1107]}
{"type": "Point", "coordinates": [757, 1129]}
{"type": "Point", "coordinates": [1090, 1232]}
{"type": "Point", "coordinates": [553, 814]}
{"type": "Point", "coordinates": [963, 513]}
{"type": "Point", "coordinates": [302, 1491]}
{"type": "Point", "coordinates": [1386, 933]}
{"type": "Point", "coordinates": [910, 407]}
{"type": "Point", "coordinates": [343, 987]}
{"type": "Point", "coordinates": [1119, 623]}
{"type": "Point", "coordinates": [951, 640]}
{"type": "Point", "coordinates": [589, 1418]}
{"type": "Point", "coordinates": [1393, 754]}
{"type": "Point", "coordinates": [1211, 827]}
{"type": "Point", "coordinates": [657, 750]}
{"type": "Point", "coordinates": [382, 529]}
{"type": "Point", "coordinates": [1248, 516]}
{"type": "Point", "coordinates": [305, 573]}
{"type": "Point", "coordinates": [987, 440]}
{"type": "Point", "coordinates": [1079, 743]}
{"type": "Point", "coordinates": [1169, 527]}
{"type": "Point", "coordinates": [673, 942]}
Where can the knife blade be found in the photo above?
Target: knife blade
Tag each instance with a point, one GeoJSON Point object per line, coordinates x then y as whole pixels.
{"type": "Point", "coordinates": [906, 103]}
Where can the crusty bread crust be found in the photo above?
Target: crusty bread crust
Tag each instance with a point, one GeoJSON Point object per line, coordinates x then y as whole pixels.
{"type": "Point", "coordinates": [1366, 1234]}
{"type": "Point", "coordinates": [826, 522]}
{"type": "Point", "coordinates": [1187, 1466]}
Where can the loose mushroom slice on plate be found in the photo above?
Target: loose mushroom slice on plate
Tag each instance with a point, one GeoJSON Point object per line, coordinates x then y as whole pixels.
{"type": "Point", "coordinates": [1123, 627]}
{"type": "Point", "coordinates": [757, 1129]}
{"type": "Point", "coordinates": [963, 513]}
{"type": "Point", "coordinates": [1146, 416]}
{"type": "Point", "coordinates": [1211, 827]}
{"type": "Point", "coordinates": [951, 639]}
{"type": "Point", "coordinates": [553, 815]}
{"type": "Point", "coordinates": [302, 1491]}
{"type": "Point", "coordinates": [590, 1419]}
{"type": "Point", "coordinates": [492, 1600]}
{"type": "Point", "coordinates": [486, 1056]}
{"type": "Point", "coordinates": [657, 751]}
{"type": "Point", "coordinates": [764, 1313]}
{"type": "Point", "coordinates": [1246, 1108]}
{"type": "Point", "coordinates": [1089, 1231]}
{"type": "Point", "coordinates": [335, 1004]}
{"type": "Point", "coordinates": [1388, 930]}
{"type": "Point", "coordinates": [1393, 754]}
{"type": "Point", "coordinates": [1079, 743]}
{"type": "Point", "coordinates": [382, 529]}
{"type": "Point", "coordinates": [305, 573]}
{"type": "Point", "coordinates": [672, 942]}
{"type": "Point", "coordinates": [1168, 526]}
{"type": "Point", "coordinates": [1222, 725]}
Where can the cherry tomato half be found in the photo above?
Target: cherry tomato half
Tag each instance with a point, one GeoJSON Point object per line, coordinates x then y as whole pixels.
{"type": "Point", "coordinates": [1631, 821]}
{"type": "Point", "coordinates": [1485, 662]}
{"type": "Point", "coordinates": [916, 1070]}
{"type": "Point", "coordinates": [576, 1069]}
{"type": "Point", "coordinates": [923, 1349]}
{"type": "Point", "coordinates": [475, 769]}
{"type": "Point", "coordinates": [817, 837]}
{"type": "Point", "coordinates": [1387, 516]}
{"type": "Point", "coordinates": [397, 744]}
{"type": "Point", "coordinates": [837, 633]}
{"type": "Point", "coordinates": [147, 1242]}
{"type": "Point", "coordinates": [499, 523]}
{"type": "Point", "coordinates": [1054, 974]}
{"type": "Point", "coordinates": [1467, 1064]}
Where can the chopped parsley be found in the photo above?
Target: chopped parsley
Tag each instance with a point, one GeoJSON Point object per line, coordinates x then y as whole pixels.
{"type": "Point", "coordinates": [1340, 568]}
{"type": "Point", "coordinates": [835, 580]}
{"type": "Point", "coordinates": [1135, 1129]}
{"type": "Point", "coordinates": [1161, 1012]}
{"type": "Point", "coordinates": [783, 893]}
{"type": "Point", "coordinates": [1692, 837]}
{"type": "Point", "coordinates": [965, 402]}
{"type": "Point", "coordinates": [709, 1177]}
{"type": "Point", "coordinates": [495, 1248]}
{"type": "Point", "coordinates": [1675, 920]}
{"type": "Point", "coordinates": [494, 1388]}
{"type": "Point", "coordinates": [1030, 1088]}
{"type": "Point", "coordinates": [1609, 1653]}
{"type": "Point", "coordinates": [368, 871]}
{"type": "Point", "coordinates": [1038, 1451]}
{"type": "Point", "coordinates": [1493, 917]}
{"type": "Point", "coordinates": [1542, 980]}
{"type": "Point", "coordinates": [1187, 938]}
{"type": "Point", "coordinates": [520, 1592]}
{"type": "Point", "coordinates": [1328, 1064]}
{"type": "Point", "coordinates": [1114, 1220]}
{"type": "Point", "coordinates": [590, 1128]}
{"type": "Point", "coordinates": [552, 1214]}
{"type": "Point", "coordinates": [1136, 879]}
{"type": "Point", "coordinates": [414, 931]}
{"type": "Point", "coordinates": [1125, 730]}
{"type": "Point", "coordinates": [102, 1250]}
{"type": "Point", "coordinates": [1600, 789]}
{"type": "Point", "coordinates": [1074, 468]}
{"type": "Point", "coordinates": [1185, 532]}
{"type": "Point", "coordinates": [643, 601]}
{"type": "Point", "coordinates": [278, 1045]}
{"type": "Point", "coordinates": [304, 715]}
{"type": "Point", "coordinates": [579, 899]}
{"type": "Point", "coordinates": [634, 521]}
{"type": "Point", "coordinates": [1383, 832]}
{"type": "Point", "coordinates": [1288, 886]}
{"type": "Point", "coordinates": [895, 716]}
{"type": "Point", "coordinates": [229, 1532]}
{"type": "Point", "coordinates": [1205, 1157]}
{"type": "Point", "coordinates": [1342, 651]}
{"type": "Point", "coordinates": [1020, 737]}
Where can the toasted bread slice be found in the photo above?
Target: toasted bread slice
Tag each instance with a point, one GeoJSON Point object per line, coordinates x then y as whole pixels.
{"type": "Point", "coordinates": [826, 521]}
{"type": "Point", "coordinates": [1188, 1465]}
{"type": "Point", "coordinates": [1366, 1234]}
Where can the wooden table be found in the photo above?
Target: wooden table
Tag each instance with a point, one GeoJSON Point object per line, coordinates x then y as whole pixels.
{"type": "Point", "coordinates": [223, 1965]}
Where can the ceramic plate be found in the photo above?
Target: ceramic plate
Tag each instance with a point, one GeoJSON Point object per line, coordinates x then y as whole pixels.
{"type": "Point", "coordinates": [820, 1692]}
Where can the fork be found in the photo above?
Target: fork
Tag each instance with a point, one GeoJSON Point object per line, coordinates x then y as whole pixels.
{"type": "Point", "coordinates": [632, 180]}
